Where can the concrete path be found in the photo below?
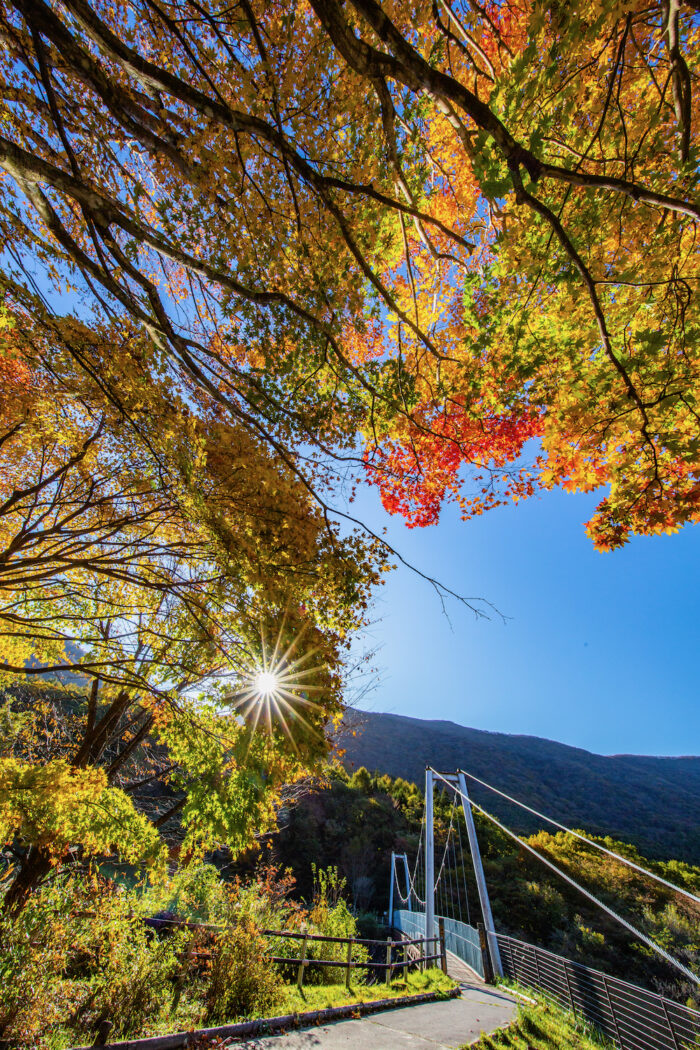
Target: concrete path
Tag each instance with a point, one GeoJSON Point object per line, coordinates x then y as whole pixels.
{"type": "Point", "coordinates": [433, 1026]}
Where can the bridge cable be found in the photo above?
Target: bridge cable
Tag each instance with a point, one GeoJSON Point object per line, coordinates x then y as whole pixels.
{"type": "Point", "coordinates": [609, 911]}
{"type": "Point", "coordinates": [464, 872]}
{"type": "Point", "coordinates": [583, 838]}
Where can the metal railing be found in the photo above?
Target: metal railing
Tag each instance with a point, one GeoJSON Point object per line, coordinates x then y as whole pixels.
{"type": "Point", "coordinates": [632, 1017]}
{"type": "Point", "coordinates": [460, 939]}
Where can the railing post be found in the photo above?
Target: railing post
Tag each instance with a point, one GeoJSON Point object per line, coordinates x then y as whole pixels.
{"type": "Point", "coordinates": [103, 1030]}
{"type": "Point", "coordinates": [485, 956]}
{"type": "Point", "coordinates": [612, 1011]}
{"type": "Point", "coordinates": [181, 977]}
{"type": "Point", "coordinates": [443, 946]}
{"type": "Point", "coordinates": [348, 965]}
{"type": "Point", "coordinates": [302, 961]}
{"type": "Point", "coordinates": [391, 890]}
{"type": "Point", "coordinates": [668, 1022]}
{"type": "Point", "coordinates": [568, 985]}
{"type": "Point", "coordinates": [388, 961]}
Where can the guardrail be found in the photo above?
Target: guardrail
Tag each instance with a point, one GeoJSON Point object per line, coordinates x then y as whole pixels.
{"type": "Point", "coordinates": [632, 1017]}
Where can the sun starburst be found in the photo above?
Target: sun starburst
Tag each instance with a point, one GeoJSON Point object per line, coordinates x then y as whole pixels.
{"type": "Point", "coordinates": [277, 688]}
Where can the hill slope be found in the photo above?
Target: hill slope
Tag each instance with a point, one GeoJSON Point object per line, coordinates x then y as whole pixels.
{"type": "Point", "coordinates": [652, 802]}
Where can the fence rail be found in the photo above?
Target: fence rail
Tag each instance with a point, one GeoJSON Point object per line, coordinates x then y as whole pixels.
{"type": "Point", "coordinates": [634, 1018]}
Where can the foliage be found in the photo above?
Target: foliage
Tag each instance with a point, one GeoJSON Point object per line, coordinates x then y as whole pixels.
{"type": "Point", "coordinates": [330, 915]}
{"type": "Point", "coordinates": [53, 806]}
{"type": "Point", "coordinates": [446, 228]}
{"type": "Point", "coordinates": [242, 980]}
{"type": "Point", "coordinates": [194, 892]}
{"type": "Point", "coordinates": [157, 556]}
{"type": "Point", "coordinates": [80, 952]}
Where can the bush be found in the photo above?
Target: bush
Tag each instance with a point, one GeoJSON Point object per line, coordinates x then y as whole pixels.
{"type": "Point", "coordinates": [77, 954]}
{"type": "Point", "coordinates": [31, 954]}
{"type": "Point", "coordinates": [330, 915]}
{"type": "Point", "coordinates": [134, 984]}
{"type": "Point", "coordinates": [195, 893]}
{"type": "Point", "coordinates": [242, 979]}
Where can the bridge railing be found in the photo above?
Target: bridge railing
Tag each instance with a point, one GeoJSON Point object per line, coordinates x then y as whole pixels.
{"type": "Point", "coordinates": [632, 1017]}
{"type": "Point", "coordinates": [460, 938]}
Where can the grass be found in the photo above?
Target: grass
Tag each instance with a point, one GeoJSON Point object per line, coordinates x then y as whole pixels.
{"type": "Point", "coordinates": [322, 997]}
{"type": "Point", "coordinates": [543, 1026]}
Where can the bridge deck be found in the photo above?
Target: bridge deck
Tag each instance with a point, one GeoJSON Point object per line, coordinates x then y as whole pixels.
{"type": "Point", "coordinates": [459, 971]}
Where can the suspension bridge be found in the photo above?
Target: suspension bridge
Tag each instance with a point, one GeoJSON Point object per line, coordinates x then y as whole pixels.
{"type": "Point", "coordinates": [430, 897]}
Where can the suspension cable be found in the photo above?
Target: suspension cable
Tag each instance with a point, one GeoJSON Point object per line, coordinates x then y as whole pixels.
{"type": "Point", "coordinates": [583, 838]}
{"type": "Point", "coordinates": [464, 873]}
{"type": "Point", "coordinates": [609, 911]}
{"type": "Point", "coordinates": [447, 842]}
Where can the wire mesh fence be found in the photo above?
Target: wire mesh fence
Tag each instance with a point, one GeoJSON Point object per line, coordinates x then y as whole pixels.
{"type": "Point", "coordinates": [632, 1017]}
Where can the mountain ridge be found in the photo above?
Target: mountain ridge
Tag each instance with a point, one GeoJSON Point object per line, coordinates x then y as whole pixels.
{"type": "Point", "coordinates": [652, 801]}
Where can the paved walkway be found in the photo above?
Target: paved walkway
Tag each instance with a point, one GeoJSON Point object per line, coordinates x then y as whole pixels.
{"type": "Point", "coordinates": [433, 1026]}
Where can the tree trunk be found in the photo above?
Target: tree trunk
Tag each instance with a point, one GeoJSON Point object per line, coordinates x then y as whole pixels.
{"type": "Point", "coordinates": [35, 866]}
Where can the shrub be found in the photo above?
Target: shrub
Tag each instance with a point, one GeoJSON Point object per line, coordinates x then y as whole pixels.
{"type": "Point", "coordinates": [30, 958]}
{"type": "Point", "coordinates": [242, 979]}
{"type": "Point", "coordinates": [78, 954]}
{"type": "Point", "coordinates": [330, 915]}
{"type": "Point", "coordinates": [134, 984]}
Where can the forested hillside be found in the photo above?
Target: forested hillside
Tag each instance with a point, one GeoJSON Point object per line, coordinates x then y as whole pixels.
{"type": "Point", "coordinates": [356, 821]}
{"type": "Point", "coordinates": [651, 802]}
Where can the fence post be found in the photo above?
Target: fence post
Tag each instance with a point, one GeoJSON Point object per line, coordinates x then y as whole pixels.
{"type": "Point", "coordinates": [485, 953]}
{"type": "Point", "coordinates": [443, 946]}
{"type": "Point", "coordinates": [671, 1029]}
{"type": "Point", "coordinates": [349, 962]}
{"type": "Point", "coordinates": [568, 985]}
{"type": "Point", "coordinates": [388, 960]}
{"type": "Point", "coordinates": [302, 961]}
{"type": "Point", "coordinates": [612, 1011]}
{"type": "Point", "coordinates": [180, 979]}
{"type": "Point", "coordinates": [103, 1030]}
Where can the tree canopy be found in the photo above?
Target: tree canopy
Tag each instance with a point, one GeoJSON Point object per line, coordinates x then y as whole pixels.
{"type": "Point", "coordinates": [399, 240]}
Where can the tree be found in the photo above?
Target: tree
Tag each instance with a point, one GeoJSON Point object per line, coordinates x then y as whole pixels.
{"type": "Point", "coordinates": [163, 556]}
{"type": "Point", "coordinates": [447, 229]}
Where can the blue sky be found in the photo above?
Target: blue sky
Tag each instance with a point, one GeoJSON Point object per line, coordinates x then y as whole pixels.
{"type": "Point", "coordinates": [599, 651]}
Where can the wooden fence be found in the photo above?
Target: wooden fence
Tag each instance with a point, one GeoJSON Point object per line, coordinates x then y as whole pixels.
{"type": "Point", "coordinates": [390, 964]}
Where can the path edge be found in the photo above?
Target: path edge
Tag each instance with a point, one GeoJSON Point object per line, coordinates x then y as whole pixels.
{"type": "Point", "coordinates": [269, 1025]}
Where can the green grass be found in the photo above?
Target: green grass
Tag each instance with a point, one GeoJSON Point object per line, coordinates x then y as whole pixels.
{"type": "Point", "coordinates": [543, 1026]}
{"type": "Point", "coordinates": [322, 997]}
